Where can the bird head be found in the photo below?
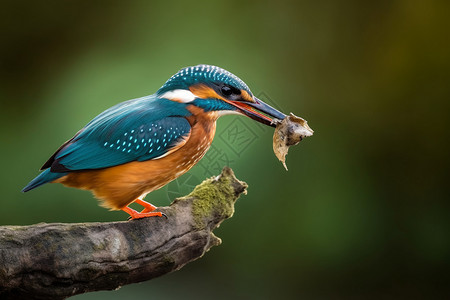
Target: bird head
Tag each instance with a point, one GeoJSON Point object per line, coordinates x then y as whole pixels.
{"type": "Point", "coordinates": [215, 89]}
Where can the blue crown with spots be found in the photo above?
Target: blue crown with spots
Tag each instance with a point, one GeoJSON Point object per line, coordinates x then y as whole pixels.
{"type": "Point", "coordinates": [202, 74]}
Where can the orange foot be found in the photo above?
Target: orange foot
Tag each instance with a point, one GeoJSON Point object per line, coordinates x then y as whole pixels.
{"type": "Point", "coordinates": [148, 207]}
{"type": "Point", "coordinates": [146, 212]}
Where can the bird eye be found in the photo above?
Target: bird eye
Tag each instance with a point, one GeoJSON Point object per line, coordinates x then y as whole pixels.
{"type": "Point", "coordinates": [226, 90]}
{"type": "Point", "coordinates": [229, 90]}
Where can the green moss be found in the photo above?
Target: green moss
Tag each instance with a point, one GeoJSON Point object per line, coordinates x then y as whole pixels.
{"type": "Point", "coordinates": [212, 197]}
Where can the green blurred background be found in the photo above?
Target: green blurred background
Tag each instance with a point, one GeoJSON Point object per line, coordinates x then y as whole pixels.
{"type": "Point", "coordinates": [362, 213]}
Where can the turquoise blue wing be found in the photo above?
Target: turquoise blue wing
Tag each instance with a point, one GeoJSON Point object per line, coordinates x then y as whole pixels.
{"type": "Point", "coordinates": [136, 130]}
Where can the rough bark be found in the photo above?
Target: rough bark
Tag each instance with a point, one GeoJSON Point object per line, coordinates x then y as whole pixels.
{"type": "Point", "coordinates": [55, 261]}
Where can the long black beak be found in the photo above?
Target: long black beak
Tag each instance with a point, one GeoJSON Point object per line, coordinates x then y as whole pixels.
{"type": "Point", "coordinates": [270, 113]}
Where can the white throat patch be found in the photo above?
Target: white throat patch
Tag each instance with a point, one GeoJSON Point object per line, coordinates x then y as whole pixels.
{"type": "Point", "coordinates": [179, 95]}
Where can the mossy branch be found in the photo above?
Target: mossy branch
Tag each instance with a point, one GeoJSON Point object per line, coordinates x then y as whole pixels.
{"type": "Point", "coordinates": [56, 261]}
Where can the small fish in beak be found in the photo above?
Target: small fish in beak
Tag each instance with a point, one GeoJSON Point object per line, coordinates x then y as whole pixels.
{"type": "Point", "coordinates": [289, 132]}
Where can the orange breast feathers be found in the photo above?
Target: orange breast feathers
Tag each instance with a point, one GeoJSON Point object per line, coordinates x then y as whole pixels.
{"type": "Point", "coordinates": [120, 185]}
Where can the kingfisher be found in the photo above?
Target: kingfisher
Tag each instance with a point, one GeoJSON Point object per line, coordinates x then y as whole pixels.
{"type": "Point", "coordinates": [140, 145]}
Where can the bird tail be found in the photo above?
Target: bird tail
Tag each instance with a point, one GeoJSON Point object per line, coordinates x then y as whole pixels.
{"type": "Point", "coordinates": [44, 177]}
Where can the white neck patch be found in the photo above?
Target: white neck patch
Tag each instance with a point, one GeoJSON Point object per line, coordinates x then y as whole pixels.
{"type": "Point", "coordinates": [179, 95]}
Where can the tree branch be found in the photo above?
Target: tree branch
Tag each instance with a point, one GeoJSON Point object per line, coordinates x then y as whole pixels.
{"type": "Point", "coordinates": [55, 261]}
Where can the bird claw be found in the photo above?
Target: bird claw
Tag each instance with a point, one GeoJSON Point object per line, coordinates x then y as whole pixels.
{"type": "Point", "coordinates": [156, 215]}
{"type": "Point", "coordinates": [147, 212]}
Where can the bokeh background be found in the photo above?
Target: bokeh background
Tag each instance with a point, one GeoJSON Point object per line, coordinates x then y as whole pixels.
{"type": "Point", "coordinates": [362, 213]}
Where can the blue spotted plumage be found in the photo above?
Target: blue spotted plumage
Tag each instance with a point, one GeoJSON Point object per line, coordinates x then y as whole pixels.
{"type": "Point", "coordinates": [148, 141]}
{"type": "Point", "coordinates": [135, 130]}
